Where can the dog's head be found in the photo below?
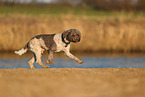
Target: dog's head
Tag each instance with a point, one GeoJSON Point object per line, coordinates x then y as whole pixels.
{"type": "Point", "coordinates": [72, 35]}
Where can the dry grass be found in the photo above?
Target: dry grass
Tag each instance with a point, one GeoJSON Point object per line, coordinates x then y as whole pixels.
{"type": "Point", "coordinates": [98, 34]}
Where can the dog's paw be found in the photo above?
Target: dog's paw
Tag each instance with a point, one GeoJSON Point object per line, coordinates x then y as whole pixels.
{"type": "Point", "coordinates": [46, 67]}
{"type": "Point", "coordinates": [80, 61]}
{"type": "Point", "coordinates": [48, 62]}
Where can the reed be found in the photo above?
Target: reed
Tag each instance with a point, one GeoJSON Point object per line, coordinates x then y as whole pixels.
{"type": "Point", "coordinates": [123, 34]}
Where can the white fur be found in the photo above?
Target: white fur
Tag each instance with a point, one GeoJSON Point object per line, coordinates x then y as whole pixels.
{"type": "Point", "coordinates": [20, 52]}
{"type": "Point", "coordinates": [36, 44]}
{"type": "Point", "coordinates": [60, 45]}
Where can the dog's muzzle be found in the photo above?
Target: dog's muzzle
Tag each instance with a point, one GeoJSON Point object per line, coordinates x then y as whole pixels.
{"type": "Point", "coordinates": [76, 40]}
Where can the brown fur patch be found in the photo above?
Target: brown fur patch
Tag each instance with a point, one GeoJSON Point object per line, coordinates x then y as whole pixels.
{"type": "Point", "coordinates": [48, 40]}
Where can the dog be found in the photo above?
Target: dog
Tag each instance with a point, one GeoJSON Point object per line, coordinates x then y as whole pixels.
{"type": "Point", "coordinates": [51, 43]}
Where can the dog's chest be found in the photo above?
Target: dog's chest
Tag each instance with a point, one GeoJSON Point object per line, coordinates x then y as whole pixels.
{"type": "Point", "coordinates": [60, 46]}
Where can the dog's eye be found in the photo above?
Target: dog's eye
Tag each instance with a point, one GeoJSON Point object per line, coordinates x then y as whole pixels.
{"type": "Point", "coordinates": [73, 35]}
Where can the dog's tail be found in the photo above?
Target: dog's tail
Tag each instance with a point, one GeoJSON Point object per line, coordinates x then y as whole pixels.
{"type": "Point", "coordinates": [23, 50]}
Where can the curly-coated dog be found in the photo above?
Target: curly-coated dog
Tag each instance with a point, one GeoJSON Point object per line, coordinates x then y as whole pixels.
{"type": "Point", "coordinates": [51, 43]}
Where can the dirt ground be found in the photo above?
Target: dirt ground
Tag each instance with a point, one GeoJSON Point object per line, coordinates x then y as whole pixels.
{"type": "Point", "coordinates": [73, 82]}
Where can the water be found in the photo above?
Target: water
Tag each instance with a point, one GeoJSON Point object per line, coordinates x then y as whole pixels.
{"type": "Point", "coordinates": [104, 61]}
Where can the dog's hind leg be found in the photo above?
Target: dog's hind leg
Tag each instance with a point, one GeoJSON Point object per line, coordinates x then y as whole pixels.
{"type": "Point", "coordinates": [50, 57]}
{"type": "Point", "coordinates": [31, 62]}
{"type": "Point", "coordinates": [38, 59]}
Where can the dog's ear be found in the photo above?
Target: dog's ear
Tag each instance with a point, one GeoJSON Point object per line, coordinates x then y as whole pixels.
{"type": "Point", "coordinates": [65, 33]}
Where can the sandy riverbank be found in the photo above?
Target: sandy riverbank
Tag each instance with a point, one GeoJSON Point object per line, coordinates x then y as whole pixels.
{"type": "Point", "coordinates": [72, 82]}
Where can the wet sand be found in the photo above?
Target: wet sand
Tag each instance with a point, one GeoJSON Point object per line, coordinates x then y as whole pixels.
{"type": "Point", "coordinates": [73, 82]}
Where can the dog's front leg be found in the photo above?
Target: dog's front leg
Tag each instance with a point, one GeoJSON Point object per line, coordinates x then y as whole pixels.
{"type": "Point", "coordinates": [73, 57]}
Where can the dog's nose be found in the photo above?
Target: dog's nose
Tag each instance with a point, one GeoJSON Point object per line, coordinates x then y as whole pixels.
{"type": "Point", "coordinates": [77, 39]}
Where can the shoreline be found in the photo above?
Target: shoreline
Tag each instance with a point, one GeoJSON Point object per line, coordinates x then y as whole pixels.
{"type": "Point", "coordinates": [29, 54]}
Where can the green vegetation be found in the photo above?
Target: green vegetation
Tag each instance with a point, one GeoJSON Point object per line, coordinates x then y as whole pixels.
{"type": "Point", "coordinates": [43, 9]}
{"type": "Point", "coordinates": [37, 10]}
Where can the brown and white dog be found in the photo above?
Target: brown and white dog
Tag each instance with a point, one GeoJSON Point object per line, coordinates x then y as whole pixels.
{"type": "Point", "coordinates": [51, 43]}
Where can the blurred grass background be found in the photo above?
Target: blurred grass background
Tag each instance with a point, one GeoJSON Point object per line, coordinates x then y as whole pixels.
{"type": "Point", "coordinates": [102, 30]}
